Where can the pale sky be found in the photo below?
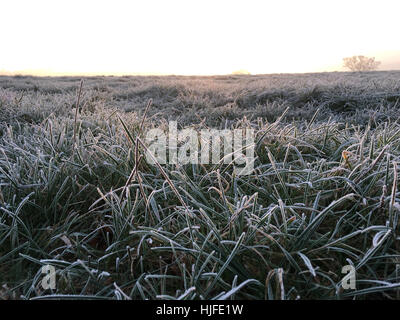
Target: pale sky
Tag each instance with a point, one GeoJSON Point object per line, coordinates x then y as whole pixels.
{"type": "Point", "coordinates": [194, 37]}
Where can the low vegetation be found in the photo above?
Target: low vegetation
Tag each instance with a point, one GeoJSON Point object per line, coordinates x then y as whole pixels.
{"type": "Point", "coordinates": [77, 194]}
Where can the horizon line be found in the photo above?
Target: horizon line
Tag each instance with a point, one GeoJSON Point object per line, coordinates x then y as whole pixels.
{"type": "Point", "coordinates": [34, 73]}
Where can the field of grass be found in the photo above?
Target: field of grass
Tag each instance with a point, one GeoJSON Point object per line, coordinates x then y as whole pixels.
{"type": "Point", "coordinates": [76, 192]}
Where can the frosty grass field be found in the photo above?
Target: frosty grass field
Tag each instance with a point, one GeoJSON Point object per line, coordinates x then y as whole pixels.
{"type": "Point", "coordinates": [77, 194]}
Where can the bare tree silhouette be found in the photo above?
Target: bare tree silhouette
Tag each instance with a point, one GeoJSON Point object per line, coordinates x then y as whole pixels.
{"type": "Point", "coordinates": [360, 63]}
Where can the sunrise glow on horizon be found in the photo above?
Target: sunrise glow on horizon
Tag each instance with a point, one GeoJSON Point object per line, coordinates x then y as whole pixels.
{"type": "Point", "coordinates": [187, 37]}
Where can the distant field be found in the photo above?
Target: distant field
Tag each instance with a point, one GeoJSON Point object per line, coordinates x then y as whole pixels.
{"type": "Point", "coordinates": [77, 194]}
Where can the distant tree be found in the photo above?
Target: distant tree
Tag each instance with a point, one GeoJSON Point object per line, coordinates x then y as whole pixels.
{"type": "Point", "coordinates": [361, 63]}
{"type": "Point", "coordinates": [241, 72]}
